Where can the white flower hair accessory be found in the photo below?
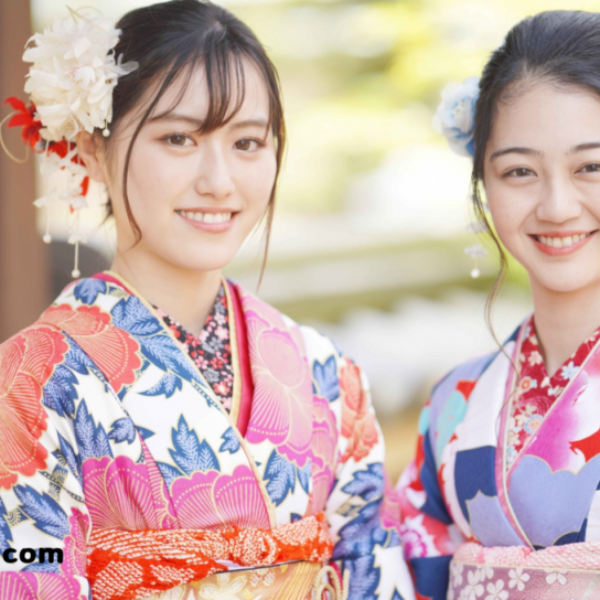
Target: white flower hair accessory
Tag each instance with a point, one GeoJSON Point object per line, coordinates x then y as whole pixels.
{"type": "Point", "coordinates": [73, 75]}
{"type": "Point", "coordinates": [455, 116]}
{"type": "Point", "coordinates": [71, 83]}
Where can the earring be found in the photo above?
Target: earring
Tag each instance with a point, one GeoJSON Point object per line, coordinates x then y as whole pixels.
{"type": "Point", "coordinates": [475, 252]}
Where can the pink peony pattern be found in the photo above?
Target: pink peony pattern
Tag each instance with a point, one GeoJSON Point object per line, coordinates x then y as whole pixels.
{"type": "Point", "coordinates": [283, 404]}
{"type": "Point", "coordinates": [212, 500]}
{"type": "Point", "coordinates": [119, 493]}
{"type": "Point", "coordinates": [75, 550]}
{"type": "Point", "coordinates": [325, 455]}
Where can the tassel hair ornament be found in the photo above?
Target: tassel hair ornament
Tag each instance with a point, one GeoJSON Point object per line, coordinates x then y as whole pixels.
{"type": "Point", "coordinates": [52, 120]}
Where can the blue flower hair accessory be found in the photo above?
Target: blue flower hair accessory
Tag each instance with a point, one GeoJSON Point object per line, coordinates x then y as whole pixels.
{"type": "Point", "coordinates": [455, 116]}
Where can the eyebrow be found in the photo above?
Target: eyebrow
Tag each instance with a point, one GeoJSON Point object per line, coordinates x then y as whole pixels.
{"type": "Point", "coordinates": [583, 147]}
{"type": "Point", "coordinates": [515, 150]}
{"type": "Point", "coordinates": [531, 152]}
{"type": "Point", "coordinates": [260, 122]}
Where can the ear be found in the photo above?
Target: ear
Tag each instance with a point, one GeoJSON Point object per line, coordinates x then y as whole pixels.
{"type": "Point", "coordinates": [91, 151]}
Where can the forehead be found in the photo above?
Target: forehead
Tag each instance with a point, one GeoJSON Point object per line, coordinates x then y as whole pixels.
{"type": "Point", "coordinates": [546, 116]}
{"type": "Point", "coordinates": [191, 93]}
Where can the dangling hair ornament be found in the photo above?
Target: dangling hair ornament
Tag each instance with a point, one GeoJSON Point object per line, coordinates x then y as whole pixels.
{"type": "Point", "coordinates": [70, 84]}
{"type": "Point", "coordinates": [455, 119]}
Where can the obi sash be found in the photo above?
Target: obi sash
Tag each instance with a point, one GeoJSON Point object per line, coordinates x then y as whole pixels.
{"type": "Point", "coordinates": [127, 565]}
{"type": "Point", "coordinates": [570, 571]}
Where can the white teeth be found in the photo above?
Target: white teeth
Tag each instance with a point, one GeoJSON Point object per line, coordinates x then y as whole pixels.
{"type": "Point", "coordinates": [206, 217]}
{"type": "Point", "coordinates": [561, 242]}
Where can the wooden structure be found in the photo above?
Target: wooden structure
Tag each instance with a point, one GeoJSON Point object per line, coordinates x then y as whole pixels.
{"type": "Point", "coordinates": [24, 272]}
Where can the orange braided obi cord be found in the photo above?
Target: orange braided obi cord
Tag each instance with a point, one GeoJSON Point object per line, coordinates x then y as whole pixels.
{"type": "Point", "coordinates": [126, 565]}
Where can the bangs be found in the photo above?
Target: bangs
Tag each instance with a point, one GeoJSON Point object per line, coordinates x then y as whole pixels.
{"type": "Point", "coordinates": [225, 72]}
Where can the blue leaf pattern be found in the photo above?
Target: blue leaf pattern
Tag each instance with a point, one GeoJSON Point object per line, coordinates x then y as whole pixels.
{"type": "Point", "coordinates": [230, 443]}
{"type": "Point", "coordinates": [46, 512]}
{"type": "Point", "coordinates": [189, 454]}
{"type": "Point", "coordinates": [132, 316]}
{"type": "Point", "coordinates": [169, 472]}
{"type": "Point", "coordinates": [167, 386]}
{"type": "Point", "coordinates": [59, 393]}
{"type": "Point", "coordinates": [122, 430]}
{"type": "Point", "coordinates": [72, 460]}
{"type": "Point", "coordinates": [91, 438]}
{"type": "Point", "coordinates": [145, 433]}
{"type": "Point", "coordinates": [280, 475]}
{"type": "Point", "coordinates": [304, 476]}
{"type": "Point", "coordinates": [77, 360]}
{"type": "Point", "coordinates": [364, 578]}
{"type": "Point", "coordinates": [367, 484]}
{"type": "Point", "coordinates": [5, 533]}
{"type": "Point", "coordinates": [87, 290]}
{"type": "Point", "coordinates": [161, 351]}
{"type": "Point", "coordinates": [327, 380]}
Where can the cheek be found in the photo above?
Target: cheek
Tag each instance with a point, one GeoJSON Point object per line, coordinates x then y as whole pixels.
{"type": "Point", "coordinates": [256, 182]}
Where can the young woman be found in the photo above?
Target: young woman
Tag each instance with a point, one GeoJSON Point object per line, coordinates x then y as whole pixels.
{"type": "Point", "coordinates": [502, 500]}
{"type": "Point", "coordinates": [165, 432]}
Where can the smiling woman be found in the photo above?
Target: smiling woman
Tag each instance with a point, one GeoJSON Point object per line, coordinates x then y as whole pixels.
{"type": "Point", "coordinates": [175, 436]}
{"type": "Point", "coordinates": [503, 495]}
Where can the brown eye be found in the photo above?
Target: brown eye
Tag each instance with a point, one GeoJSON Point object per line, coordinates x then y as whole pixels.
{"type": "Point", "coordinates": [591, 168]}
{"type": "Point", "coordinates": [520, 172]}
{"type": "Point", "coordinates": [247, 145]}
{"type": "Point", "coordinates": [178, 139]}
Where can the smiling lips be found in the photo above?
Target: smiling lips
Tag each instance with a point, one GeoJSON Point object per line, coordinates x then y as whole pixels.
{"type": "Point", "coordinates": [556, 244]}
{"type": "Point", "coordinates": [214, 222]}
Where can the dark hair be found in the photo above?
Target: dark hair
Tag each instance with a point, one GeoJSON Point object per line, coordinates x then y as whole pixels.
{"type": "Point", "coordinates": [560, 46]}
{"type": "Point", "coordinates": [174, 37]}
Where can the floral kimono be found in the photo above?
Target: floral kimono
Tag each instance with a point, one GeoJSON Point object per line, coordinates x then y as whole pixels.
{"type": "Point", "coordinates": [117, 454]}
{"type": "Point", "coordinates": [503, 499]}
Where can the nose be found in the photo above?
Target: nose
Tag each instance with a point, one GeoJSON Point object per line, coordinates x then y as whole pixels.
{"type": "Point", "coordinates": [560, 201]}
{"type": "Point", "coordinates": [214, 177]}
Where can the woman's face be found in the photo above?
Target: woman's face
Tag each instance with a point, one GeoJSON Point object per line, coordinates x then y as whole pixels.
{"type": "Point", "coordinates": [542, 180]}
{"type": "Point", "coordinates": [195, 197]}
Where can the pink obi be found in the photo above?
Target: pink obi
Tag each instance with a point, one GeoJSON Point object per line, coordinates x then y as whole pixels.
{"type": "Point", "coordinates": [520, 573]}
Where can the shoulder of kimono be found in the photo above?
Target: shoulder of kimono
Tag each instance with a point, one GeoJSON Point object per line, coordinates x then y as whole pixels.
{"type": "Point", "coordinates": [464, 377]}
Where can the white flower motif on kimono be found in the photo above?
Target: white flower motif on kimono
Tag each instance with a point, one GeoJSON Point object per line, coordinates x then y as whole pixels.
{"type": "Point", "coordinates": [418, 542]}
{"type": "Point", "coordinates": [455, 116]}
{"type": "Point", "coordinates": [474, 588]}
{"type": "Point", "coordinates": [456, 572]}
{"type": "Point", "coordinates": [535, 358]}
{"type": "Point", "coordinates": [496, 591]}
{"type": "Point", "coordinates": [545, 382]}
{"type": "Point", "coordinates": [569, 371]}
{"type": "Point", "coordinates": [555, 391]}
{"type": "Point", "coordinates": [73, 74]}
{"type": "Point", "coordinates": [485, 573]}
{"type": "Point", "coordinates": [518, 579]}
{"type": "Point", "coordinates": [555, 575]}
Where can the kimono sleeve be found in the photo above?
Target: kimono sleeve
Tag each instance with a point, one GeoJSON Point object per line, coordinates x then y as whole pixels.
{"type": "Point", "coordinates": [427, 530]}
{"type": "Point", "coordinates": [362, 508]}
{"type": "Point", "coordinates": [44, 522]}
{"type": "Point", "coordinates": [429, 533]}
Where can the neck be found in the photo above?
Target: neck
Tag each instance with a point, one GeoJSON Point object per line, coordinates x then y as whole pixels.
{"type": "Point", "coordinates": [563, 321]}
{"type": "Point", "coordinates": [185, 295]}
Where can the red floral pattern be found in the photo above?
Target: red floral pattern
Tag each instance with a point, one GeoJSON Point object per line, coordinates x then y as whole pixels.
{"type": "Point", "coordinates": [27, 363]}
{"type": "Point", "coordinates": [358, 422]}
{"type": "Point", "coordinates": [211, 351]}
{"type": "Point", "coordinates": [536, 391]}
{"type": "Point", "coordinates": [116, 352]}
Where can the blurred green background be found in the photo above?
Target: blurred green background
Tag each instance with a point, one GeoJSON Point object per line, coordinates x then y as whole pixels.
{"type": "Point", "coordinates": [373, 208]}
